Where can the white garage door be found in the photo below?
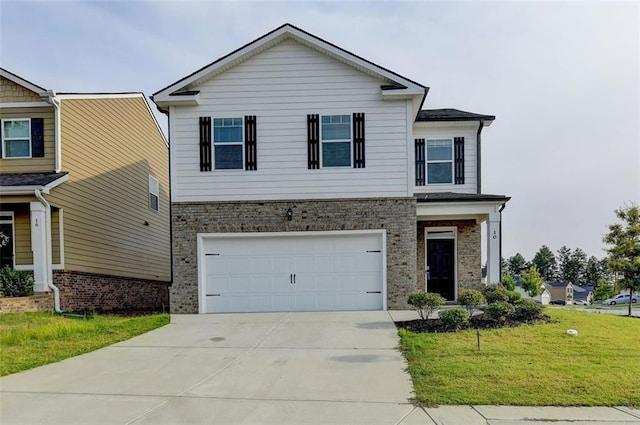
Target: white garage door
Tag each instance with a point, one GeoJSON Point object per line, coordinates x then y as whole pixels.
{"type": "Point", "coordinates": [299, 271]}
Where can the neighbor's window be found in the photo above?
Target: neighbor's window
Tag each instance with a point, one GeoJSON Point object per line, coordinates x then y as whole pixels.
{"type": "Point", "coordinates": [16, 138]}
{"type": "Point", "coordinates": [154, 193]}
{"type": "Point", "coordinates": [439, 161]}
{"type": "Point", "coordinates": [227, 142]}
{"type": "Point", "coordinates": [336, 140]}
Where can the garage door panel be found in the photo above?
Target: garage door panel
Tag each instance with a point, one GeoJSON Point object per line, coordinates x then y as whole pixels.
{"type": "Point", "coordinates": [257, 273]}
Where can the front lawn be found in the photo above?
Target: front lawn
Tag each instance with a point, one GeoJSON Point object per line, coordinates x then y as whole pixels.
{"type": "Point", "coordinates": [28, 340]}
{"type": "Point", "coordinates": [531, 365]}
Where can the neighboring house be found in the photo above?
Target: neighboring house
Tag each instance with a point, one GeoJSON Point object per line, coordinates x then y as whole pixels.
{"type": "Point", "coordinates": [84, 195]}
{"type": "Point", "coordinates": [560, 291]}
{"type": "Point", "coordinates": [304, 177]}
{"type": "Point", "coordinates": [584, 293]}
{"type": "Point", "coordinates": [544, 298]}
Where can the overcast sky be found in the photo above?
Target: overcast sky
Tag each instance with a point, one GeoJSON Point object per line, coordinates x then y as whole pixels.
{"type": "Point", "coordinates": [563, 80]}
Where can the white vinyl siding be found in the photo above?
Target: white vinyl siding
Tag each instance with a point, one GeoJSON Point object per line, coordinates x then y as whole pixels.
{"type": "Point", "coordinates": [280, 87]}
{"type": "Point", "coordinates": [450, 131]}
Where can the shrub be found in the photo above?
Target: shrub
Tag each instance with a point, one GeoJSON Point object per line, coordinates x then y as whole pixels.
{"type": "Point", "coordinates": [454, 318]}
{"type": "Point", "coordinates": [15, 283]}
{"type": "Point", "coordinates": [495, 293]}
{"type": "Point", "coordinates": [508, 281]}
{"type": "Point", "coordinates": [425, 303]}
{"type": "Point", "coordinates": [499, 310]}
{"type": "Point", "coordinates": [514, 297]}
{"type": "Point", "coordinates": [528, 309]}
{"type": "Point", "coordinates": [470, 299]}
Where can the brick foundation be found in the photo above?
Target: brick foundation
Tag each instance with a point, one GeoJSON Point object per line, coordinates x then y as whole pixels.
{"type": "Point", "coordinates": [101, 292]}
{"type": "Point", "coordinates": [468, 252]}
{"type": "Point", "coordinates": [37, 302]}
{"type": "Point", "coordinates": [396, 215]}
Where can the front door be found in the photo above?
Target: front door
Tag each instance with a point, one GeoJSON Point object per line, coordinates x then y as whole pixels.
{"type": "Point", "coordinates": [441, 267]}
{"type": "Point", "coordinates": [6, 244]}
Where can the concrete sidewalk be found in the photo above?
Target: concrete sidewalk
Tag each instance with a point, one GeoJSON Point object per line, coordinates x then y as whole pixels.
{"type": "Point", "coordinates": [277, 368]}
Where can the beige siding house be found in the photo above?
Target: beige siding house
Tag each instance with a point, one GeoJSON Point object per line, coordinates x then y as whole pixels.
{"type": "Point", "coordinates": [84, 196]}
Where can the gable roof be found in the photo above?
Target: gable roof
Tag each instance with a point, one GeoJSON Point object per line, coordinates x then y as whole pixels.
{"type": "Point", "coordinates": [42, 92]}
{"type": "Point", "coordinates": [395, 84]}
{"type": "Point", "coordinates": [558, 284]}
{"type": "Point", "coordinates": [450, 114]}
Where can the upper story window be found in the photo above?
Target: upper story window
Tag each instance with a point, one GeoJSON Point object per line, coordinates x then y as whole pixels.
{"type": "Point", "coordinates": [154, 194]}
{"type": "Point", "coordinates": [227, 142]}
{"type": "Point", "coordinates": [439, 161]}
{"type": "Point", "coordinates": [16, 138]}
{"type": "Point", "coordinates": [336, 140]}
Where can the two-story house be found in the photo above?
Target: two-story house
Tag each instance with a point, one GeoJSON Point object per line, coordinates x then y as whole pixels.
{"type": "Point", "coordinates": [84, 196]}
{"type": "Point", "coordinates": [305, 177]}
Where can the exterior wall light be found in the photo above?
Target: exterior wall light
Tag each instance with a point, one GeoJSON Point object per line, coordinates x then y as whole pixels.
{"type": "Point", "coordinates": [289, 214]}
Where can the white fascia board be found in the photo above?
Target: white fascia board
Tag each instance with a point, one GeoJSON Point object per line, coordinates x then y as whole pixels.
{"type": "Point", "coordinates": [29, 190]}
{"type": "Point", "coordinates": [24, 83]}
{"type": "Point", "coordinates": [267, 41]}
{"type": "Point", "coordinates": [179, 100]}
{"type": "Point", "coordinates": [456, 210]}
{"type": "Point", "coordinates": [6, 105]}
{"type": "Point", "coordinates": [78, 96]}
{"type": "Point", "coordinates": [449, 124]}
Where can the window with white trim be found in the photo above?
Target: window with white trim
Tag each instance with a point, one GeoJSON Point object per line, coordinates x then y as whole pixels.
{"type": "Point", "coordinates": [335, 136]}
{"type": "Point", "coordinates": [439, 161]}
{"type": "Point", "coordinates": [228, 144]}
{"type": "Point", "coordinates": [154, 193]}
{"type": "Point", "coordinates": [16, 138]}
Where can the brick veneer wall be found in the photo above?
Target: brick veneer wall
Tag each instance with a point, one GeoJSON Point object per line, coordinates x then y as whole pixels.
{"type": "Point", "coordinates": [468, 253]}
{"type": "Point", "coordinates": [95, 291]}
{"type": "Point", "coordinates": [396, 215]}
{"type": "Point", "coordinates": [37, 302]}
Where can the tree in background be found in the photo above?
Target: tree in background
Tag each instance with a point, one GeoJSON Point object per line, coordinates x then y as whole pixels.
{"type": "Point", "coordinates": [572, 265]}
{"type": "Point", "coordinates": [624, 251]}
{"type": "Point", "coordinates": [532, 281]}
{"type": "Point", "coordinates": [595, 271]}
{"type": "Point", "coordinates": [603, 291]}
{"type": "Point", "coordinates": [546, 263]}
{"type": "Point", "coordinates": [516, 264]}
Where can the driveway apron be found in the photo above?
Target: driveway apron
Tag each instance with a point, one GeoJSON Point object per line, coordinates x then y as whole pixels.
{"type": "Point", "coordinates": [273, 368]}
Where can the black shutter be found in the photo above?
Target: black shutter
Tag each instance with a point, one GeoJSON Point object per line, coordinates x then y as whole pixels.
{"type": "Point", "coordinates": [358, 140]}
{"type": "Point", "coordinates": [250, 147]}
{"type": "Point", "coordinates": [420, 163]}
{"type": "Point", "coordinates": [458, 148]}
{"type": "Point", "coordinates": [37, 137]}
{"type": "Point", "coordinates": [205, 143]}
{"type": "Point", "coordinates": [313, 141]}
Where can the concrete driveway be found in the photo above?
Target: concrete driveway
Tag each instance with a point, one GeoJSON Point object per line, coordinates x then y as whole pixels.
{"type": "Point", "coordinates": [276, 368]}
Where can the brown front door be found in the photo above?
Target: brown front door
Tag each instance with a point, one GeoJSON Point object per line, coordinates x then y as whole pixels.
{"type": "Point", "coordinates": [441, 267]}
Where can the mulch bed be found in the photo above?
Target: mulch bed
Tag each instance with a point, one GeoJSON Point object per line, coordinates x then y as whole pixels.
{"type": "Point", "coordinates": [476, 322]}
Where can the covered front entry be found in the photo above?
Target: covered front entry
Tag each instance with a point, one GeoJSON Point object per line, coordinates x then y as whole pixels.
{"type": "Point", "coordinates": [441, 264]}
{"type": "Point", "coordinates": [292, 271]}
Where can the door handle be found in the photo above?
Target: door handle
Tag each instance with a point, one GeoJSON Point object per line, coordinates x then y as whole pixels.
{"type": "Point", "coordinates": [294, 278]}
{"type": "Point", "coordinates": [291, 278]}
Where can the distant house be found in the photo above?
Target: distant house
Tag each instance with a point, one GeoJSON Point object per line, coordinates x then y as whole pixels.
{"type": "Point", "coordinates": [584, 293]}
{"type": "Point", "coordinates": [544, 298]}
{"type": "Point", "coordinates": [560, 291]}
{"type": "Point", "coordinates": [84, 196]}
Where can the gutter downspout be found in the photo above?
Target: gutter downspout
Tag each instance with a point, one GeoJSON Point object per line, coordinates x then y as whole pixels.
{"type": "Point", "coordinates": [500, 246]}
{"type": "Point", "coordinates": [56, 291]}
{"type": "Point", "coordinates": [58, 142]}
{"type": "Point", "coordinates": [479, 160]}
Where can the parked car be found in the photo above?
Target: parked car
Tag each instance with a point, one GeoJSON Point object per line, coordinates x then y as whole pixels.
{"type": "Point", "coordinates": [580, 302]}
{"type": "Point", "coordinates": [620, 299]}
{"type": "Point", "coordinates": [558, 302]}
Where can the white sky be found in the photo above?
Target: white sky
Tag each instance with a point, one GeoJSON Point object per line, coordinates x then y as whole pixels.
{"type": "Point", "coordinates": [563, 80]}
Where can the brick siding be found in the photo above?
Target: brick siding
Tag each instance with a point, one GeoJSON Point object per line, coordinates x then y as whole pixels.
{"type": "Point", "coordinates": [396, 215]}
{"type": "Point", "coordinates": [37, 302]}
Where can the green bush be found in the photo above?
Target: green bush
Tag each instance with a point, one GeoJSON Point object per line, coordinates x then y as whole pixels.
{"type": "Point", "coordinates": [15, 283]}
{"type": "Point", "coordinates": [514, 297]}
{"type": "Point", "coordinates": [496, 293]}
{"type": "Point", "coordinates": [425, 303]}
{"type": "Point", "coordinates": [528, 309]}
{"type": "Point", "coordinates": [499, 310]}
{"type": "Point", "coordinates": [454, 318]}
{"type": "Point", "coordinates": [470, 299]}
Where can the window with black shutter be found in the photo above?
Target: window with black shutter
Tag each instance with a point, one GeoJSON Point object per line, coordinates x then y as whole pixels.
{"type": "Point", "coordinates": [313, 141]}
{"type": "Point", "coordinates": [205, 143]}
{"type": "Point", "coordinates": [420, 163]}
{"type": "Point", "coordinates": [458, 150]}
{"type": "Point", "coordinates": [250, 145]}
{"type": "Point", "coordinates": [358, 140]}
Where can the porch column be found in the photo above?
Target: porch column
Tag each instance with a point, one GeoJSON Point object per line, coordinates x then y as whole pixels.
{"type": "Point", "coordinates": [39, 246]}
{"type": "Point", "coordinates": [493, 247]}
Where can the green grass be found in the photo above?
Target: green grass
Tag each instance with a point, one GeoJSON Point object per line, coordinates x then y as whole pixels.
{"type": "Point", "coordinates": [531, 365]}
{"type": "Point", "coordinates": [28, 340]}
